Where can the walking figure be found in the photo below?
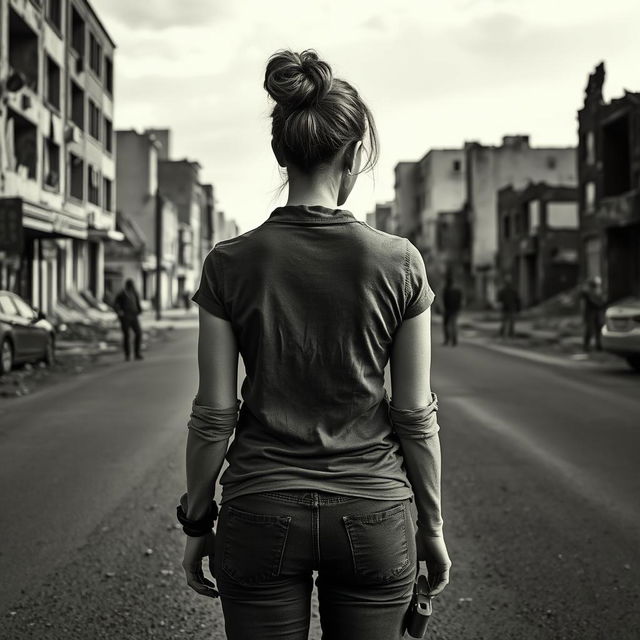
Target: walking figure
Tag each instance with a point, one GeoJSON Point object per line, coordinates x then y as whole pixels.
{"type": "Point", "coordinates": [127, 306]}
{"type": "Point", "coordinates": [325, 472]}
{"type": "Point", "coordinates": [593, 306]}
{"type": "Point", "coordinates": [452, 303]}
{"type": "Point", "coordinates": [510, 306]}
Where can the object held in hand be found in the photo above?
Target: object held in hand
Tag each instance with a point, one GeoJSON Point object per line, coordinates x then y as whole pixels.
{"type": "Point", "coordinates": [196, 528]}
{"type": "Point", "coordinates": [419, 609]}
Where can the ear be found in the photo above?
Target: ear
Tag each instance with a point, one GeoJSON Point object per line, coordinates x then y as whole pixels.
{"type": "Point", "coordinates": [278, 154]}
{"type": "Point", "coordinates": [352, 157]}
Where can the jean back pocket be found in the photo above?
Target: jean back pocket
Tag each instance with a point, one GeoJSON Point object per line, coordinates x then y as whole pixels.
{"type": "Point", "coordinates": [378, 541]}
{"type": "Point", "coordinates": [254, 545]}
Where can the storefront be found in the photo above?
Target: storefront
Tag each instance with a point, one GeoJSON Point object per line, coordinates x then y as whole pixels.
{"type": "Point", "coordinates": [42, 252]}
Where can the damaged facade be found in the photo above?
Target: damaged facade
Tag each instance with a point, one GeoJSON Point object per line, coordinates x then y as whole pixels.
{"type": "Point", "coordinates": [57, 152]}
{"type": "Point", "coordinates": [538, 239]}
{"type": "Point", "coordinates": [609, 189]}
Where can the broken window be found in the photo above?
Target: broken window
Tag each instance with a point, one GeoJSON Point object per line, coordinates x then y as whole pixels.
{"type": "Point", "coordinates": [51, 168]}
{"type": "Point", "coordinates": [108, 74]}
{"type": "Point", "coordinates": [107, 190]}
{"type": "Point", "coordinates": [506, 226]}
{"type": "Point", "coordinates": [77, 32]}
{"type": "Point", "coordinates": [534, 216]}
{"type": "Point", "coordinates": [562, 215]}
{"type": "Point", "coordinates": [25, 145]}
{"type": "Point", "coordinates": [77, 105]}
{"type": "Point", "coordinates": [108, 135]}
{"type": "Point", "coordinates": [94, 120]}
{"type": "Point", "coordinates": [94, 185]}
{"type": "Point", "coordinates": [95, 55]}
{"type": "Point", "coordinates": [53, 83]}
{"type": "Point", "coordinates": [616, 160]}
{"type": "Point", "coordinates": [23, 49]}
{"type": "Point", "coordinates": [76, 177]}
{"type": "Point", "coordinates": [590, 147]}
{"type": "Point", "coordinates": [54, 14]}
{"type": "Point", "coordinates": [590, 197]}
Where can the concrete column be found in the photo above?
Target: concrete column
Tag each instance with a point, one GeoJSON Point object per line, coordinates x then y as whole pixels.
{"type": "Point", "coordinates": [99, 293]}
{"type": "Point", "coordinates": [36, 282]}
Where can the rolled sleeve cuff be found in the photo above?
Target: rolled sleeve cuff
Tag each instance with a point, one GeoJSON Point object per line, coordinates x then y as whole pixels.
{"type": "Point", "coordinates": [211, 423]}
{"type": "Point", "coordinates": [416, 424]}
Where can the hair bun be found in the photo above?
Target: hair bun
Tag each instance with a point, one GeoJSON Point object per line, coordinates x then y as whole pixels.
{"type": "Point", "coordinates": [297, 80]}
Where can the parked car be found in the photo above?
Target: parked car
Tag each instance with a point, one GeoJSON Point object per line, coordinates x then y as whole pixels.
{"type": "Point", "coordinates": [25, 334]}
{"type": "Point", "coordinates": [621, 332]}
{"type": "Point", "coordinates": [104, 319]}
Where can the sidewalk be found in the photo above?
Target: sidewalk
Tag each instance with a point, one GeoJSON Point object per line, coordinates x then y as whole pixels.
{"type": "Point", "coordinates": [559, 336]}
{"type": "Point", "coordinates": [179, 318]}
{"type": "Point", "coordinates": [74, 356]}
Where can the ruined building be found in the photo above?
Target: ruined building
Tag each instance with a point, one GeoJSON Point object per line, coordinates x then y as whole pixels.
{"type": "Point", "coordinates": [609, 188]}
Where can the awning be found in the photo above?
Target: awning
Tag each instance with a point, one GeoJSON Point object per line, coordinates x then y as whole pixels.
{"type": "Point", "coordinates": [105, 234]}
{"type": "Point", "coordinates": [47, 222]}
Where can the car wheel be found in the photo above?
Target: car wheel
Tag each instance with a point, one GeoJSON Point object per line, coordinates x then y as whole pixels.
{"type": "Point", "coordinates": [50, 352]}
{"type": "Point", "coordinates": [6, 356]}
{"type": "Point", "coordinates": [634, 362]}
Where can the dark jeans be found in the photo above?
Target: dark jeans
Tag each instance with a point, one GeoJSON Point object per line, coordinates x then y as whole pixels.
{"type": "Point", "coordinates": [507, 326]}
{"type": "Point", "coordinates": [128, 324]}
{"type": "Point", "coordinates": [592, 329]}
{"type": "Point", "coordinates": [268, 544]}
{"type": "Point", "coordinates": [450, 327]}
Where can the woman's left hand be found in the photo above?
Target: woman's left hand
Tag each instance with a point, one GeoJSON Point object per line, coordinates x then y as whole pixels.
{"type": "Point", "coordinates": [196, 548]}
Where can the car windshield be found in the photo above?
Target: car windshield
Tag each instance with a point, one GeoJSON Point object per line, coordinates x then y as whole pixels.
{"type": "Point", "coordinates": [23, 308]}
{"type": "Point", "coordinates": [6, 305]}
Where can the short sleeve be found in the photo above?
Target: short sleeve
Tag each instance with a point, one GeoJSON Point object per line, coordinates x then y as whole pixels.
{"type": "Point", "coordinates": [418, 293]}
{"type": "Point", "coordinates": [209, 294]}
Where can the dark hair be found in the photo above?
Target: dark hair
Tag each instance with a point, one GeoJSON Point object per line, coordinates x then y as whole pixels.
{"type": "Point", "coordinates": [129, 284]}
{"type": "Point", "coordinates": [315, 114]}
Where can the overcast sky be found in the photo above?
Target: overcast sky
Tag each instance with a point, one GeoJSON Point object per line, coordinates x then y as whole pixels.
{"type": "Point", "coordinates": [434, 72]}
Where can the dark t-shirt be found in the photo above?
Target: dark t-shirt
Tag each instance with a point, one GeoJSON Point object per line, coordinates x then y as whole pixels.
{"type": "Point", "coordinates": [128, 304]}
{"type": "Point", "coordinates": [314, 297]}
{"type": "Point", "coordinates": [451, 299]}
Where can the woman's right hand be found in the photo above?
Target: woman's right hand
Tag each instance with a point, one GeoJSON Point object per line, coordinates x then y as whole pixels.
{"type": "Point", "coordinates": [433, 551]}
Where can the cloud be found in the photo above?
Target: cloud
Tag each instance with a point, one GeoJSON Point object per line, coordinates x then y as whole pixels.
{"type": "Point", "coordinates": [162, 14]}
{"type": "Point", "coordinates": [434, 73]}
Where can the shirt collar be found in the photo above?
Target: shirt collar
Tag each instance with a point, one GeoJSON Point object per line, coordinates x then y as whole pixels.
{"type": "Point", "coordinates": [310, 214]}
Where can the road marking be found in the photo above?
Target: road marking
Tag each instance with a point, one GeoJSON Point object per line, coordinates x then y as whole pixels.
{"type": "Point", "coordinates": [544, 358]}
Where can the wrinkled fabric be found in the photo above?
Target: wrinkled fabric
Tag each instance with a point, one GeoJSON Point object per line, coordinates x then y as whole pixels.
{"type": "Point", "coordinates": [212, 423]}
{"type": "Point", "coordinates": [416, 424]}
{"type": "Point", "coordinates": [314, 297]}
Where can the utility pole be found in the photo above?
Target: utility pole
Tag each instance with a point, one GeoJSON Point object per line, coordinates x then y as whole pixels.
{"type": "Point", "coordinates": [159, 232]}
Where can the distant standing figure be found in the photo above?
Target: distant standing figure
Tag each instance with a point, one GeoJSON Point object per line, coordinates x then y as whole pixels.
{"type": "Point", "coordinates": [186, 299]}
{"type": "Point", "coordinates": [510, 304]}
{"type": "Point", "coordinates": [593, 305]}
{"type": "Point", "coordinates": [452, 303]}
{"type": "Point", "coordinates": [127, 306]}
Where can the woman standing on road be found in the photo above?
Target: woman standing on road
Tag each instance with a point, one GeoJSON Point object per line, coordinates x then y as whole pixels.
{"type": "Point", "coordinates": [323, 467]}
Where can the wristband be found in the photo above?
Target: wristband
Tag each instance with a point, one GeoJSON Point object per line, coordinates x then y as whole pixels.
{"type": "Point", "coordinates": [197, 528]}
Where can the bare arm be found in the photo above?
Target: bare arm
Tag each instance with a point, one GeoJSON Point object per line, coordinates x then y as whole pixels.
{"type": "Point", "coordinates": [411, 388]}
{"type": "Point", "coordinates": [420, 444]}
{"type": "Point", "coordinates": [218, 375]}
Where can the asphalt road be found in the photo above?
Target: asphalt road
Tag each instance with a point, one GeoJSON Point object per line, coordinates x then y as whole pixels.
{"type": "Point", "coordinates": [540, 497]}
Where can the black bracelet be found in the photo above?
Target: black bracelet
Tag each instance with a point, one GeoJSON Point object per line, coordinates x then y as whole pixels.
{"type": "Point", "coordinates": [197, 528]}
